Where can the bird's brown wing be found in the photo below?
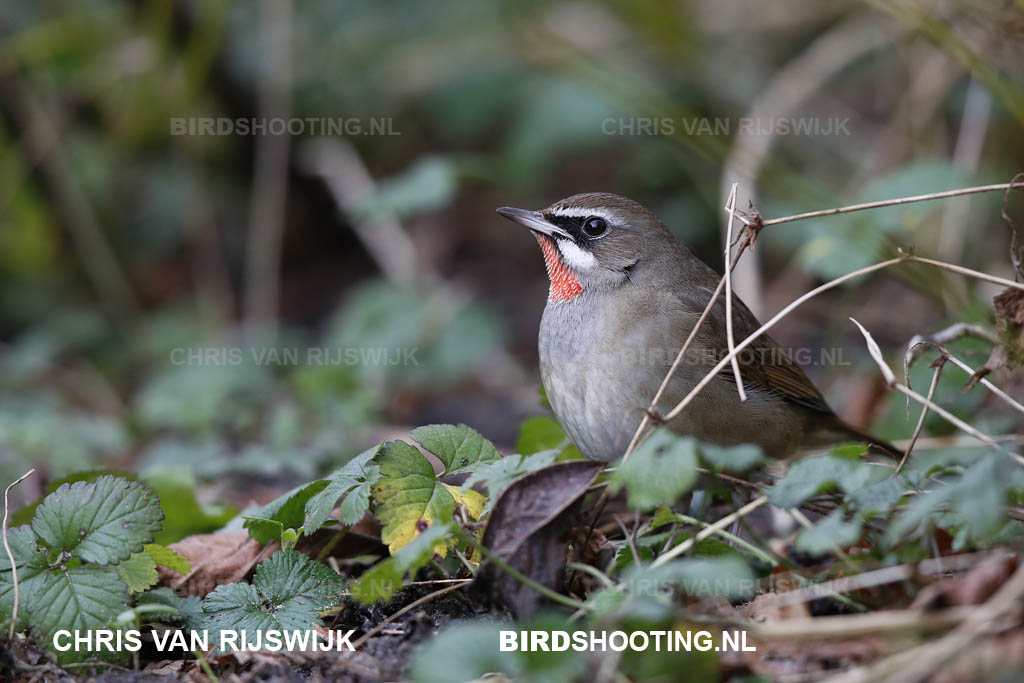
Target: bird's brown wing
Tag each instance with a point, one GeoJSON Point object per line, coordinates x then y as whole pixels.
{"type": "Point", "coordinates": [764, 365]}
{"type": "Point", "coordinates": [779, 374]}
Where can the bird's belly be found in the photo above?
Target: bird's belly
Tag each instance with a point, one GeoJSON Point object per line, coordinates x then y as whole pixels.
{"type": "Point", "coordinates": [600, 392]}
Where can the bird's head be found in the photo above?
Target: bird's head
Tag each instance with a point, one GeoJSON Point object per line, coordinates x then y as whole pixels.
{"type": "Point", "coordinates": [597, 241]}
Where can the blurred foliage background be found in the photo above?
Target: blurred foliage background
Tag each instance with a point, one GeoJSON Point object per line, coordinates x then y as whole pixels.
{"type": "Point", "coordinates": [152, 284]}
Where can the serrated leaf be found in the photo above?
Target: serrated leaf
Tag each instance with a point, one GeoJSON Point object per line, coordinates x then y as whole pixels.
{"type": "Point", "coordinates": [32, 565]}
{"type": "Point", "coordinates": [25, 514]}
{"type": "Point", "coordinates": [811, 476]}
{"type": "Point", "coordinates": [498, 475]}
{"type": "Point", "coordinates": [189, 610]}
{"type": "Point", "coordinates": [975, 500]}
{"type": "Point", "coordinates": [354, 477]}
{"type": "Point", "coordinates": [80, 598]}
{"type": "Point", "coordinates": [830, 534]}
{"type": "Point", "coordinates": [381, 581]}
{"type": "Point", "coordinates": [409, 497]}
{"type": "Point", "coordinates": [661, 469]}
{"type": "Point", "coordinates": [459, 448]}
{"type": "Point", "coordinates": [287, 593]}
{"type": "Point", "coordinates": [284, 512]}
{"type": "Point", "coordinates": [877, 499]}
{"type": "Point", "coordinates": [138, 572]}
{"type": "Point", "coordinates": [168, 557]}
{"type": "Point", "coordinates": [732, 459]}
{"type": "Point", "coordinates": [101, 522]}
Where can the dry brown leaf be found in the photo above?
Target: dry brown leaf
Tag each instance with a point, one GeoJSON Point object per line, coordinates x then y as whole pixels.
{"type": "Point", "coordinates": [216, 559]}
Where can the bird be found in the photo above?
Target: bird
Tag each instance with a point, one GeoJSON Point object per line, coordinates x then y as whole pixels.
{"type": "Point", "coordinates": [624, 293]}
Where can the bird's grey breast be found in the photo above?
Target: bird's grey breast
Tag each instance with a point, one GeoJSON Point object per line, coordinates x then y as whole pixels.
{"type": "Point", "coordinates": [602, 355]}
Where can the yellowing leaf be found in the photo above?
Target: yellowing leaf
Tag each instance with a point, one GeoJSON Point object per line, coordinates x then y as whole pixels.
{"type": "Point", "coordinates": [469, 499]}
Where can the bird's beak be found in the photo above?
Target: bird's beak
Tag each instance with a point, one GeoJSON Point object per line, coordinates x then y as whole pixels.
{"type": "Point", "coordinates": [534, 220]}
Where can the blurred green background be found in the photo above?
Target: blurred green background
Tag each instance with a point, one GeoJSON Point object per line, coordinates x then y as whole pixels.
{"type": "Point", "coordinates": [153, 284]}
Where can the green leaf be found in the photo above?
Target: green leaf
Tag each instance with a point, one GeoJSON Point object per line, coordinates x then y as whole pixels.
{"type": "Point", "coordinates": [25, 514]}
{"type": "Point", "coordinates": [830, 534]}
{"type": "Point", "coordinates": [975, 500]}
{"type": "Point", "coordinates": [877, 499]}
{"type": "Point", "coordinates": [185, 515]}
{"type": "Point", "coordinates": [101, 522]}
{"type": "Point", "coordinates": [32, 564]}
{"type": "Point", "coordinates": [353, 480]}
{"type": "Point", "coordinates": [459, 448]}
{"type": "Point", "coordinates": [497, 475]}
{"type": "Point", "coordinates": [732, 459]}
{"type": "Point", "coordinates": [410, 498]}
{"type": "Point", "coordinates": [80, 598]}
{"type": "Point", "coordinates": [287, 593]}
{"type": "Point", "coordinates": [851, 450]}
{"type": "Point", "coordinates": [661, 469]}
{"type": "Point", "coordinates": [811, 476]}
{"type": "Point", "coordinates": [138, 572]}
{"type": "Point", "coordinates": [357, 500]}
{"type": "Point", "coordinates": [538, 434]}
{"type": "Point", "coordinates": [189, 610]}
{"type": "Point", "coordinates": [168, 557]}
{"type": "Point", "coordinates": [285, 512]}
{"type": "Point", "coordinates": [381, 581]}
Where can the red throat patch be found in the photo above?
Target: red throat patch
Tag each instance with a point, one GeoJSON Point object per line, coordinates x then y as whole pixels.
{"type": "Point", "coordinates": [565, 286]}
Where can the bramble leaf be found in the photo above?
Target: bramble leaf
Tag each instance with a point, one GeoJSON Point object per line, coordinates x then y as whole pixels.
{"type": "Point", "coordinates": [138, 572]}
{"type": "Point", "coordinates": [381, 581]}
{"type": "Point", "coordinates": [459, 448]}
{"type": "Point", "coordinates": [830, 534]}
{"type": "Point", "coordinates": [732, 459]}
{"type": "Point", "coordinates": [79, 598]}
{"type": "Point", "coordinates": [353, 480]}
{"type": "Point", "coordinates": [288, 592]}
{"type": "Point", "coordinates": [811, 476]}
{"type": "Point", "coordinates": [102, 522]}
{"type": "Point", "coordinates": [284, 512]}
{"type": "Point", "coordinates": [661, 469]}
{"type": "Point", "coordinates": [168, 557]}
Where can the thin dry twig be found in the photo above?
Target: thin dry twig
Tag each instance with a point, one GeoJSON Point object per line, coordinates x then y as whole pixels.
{"type": "Point", "coordinates": [730, 208]}
{"type": "Point", "coordinates": [815, 292]}
{"type": "Point", "coordinates": [872, 579]}
{"type": "Point", "coordinates": [946, 336]}
{"type": "Point", "coordinates": [771, 323]}
{"type": "Point", "coordinates": [709, 530]}
{"type": "Point", "coordinates": [939, 363]}
{"type": "Point", "coordinates": [1016, 245]}
{"type": "Point", "coordinates": [974, 375]}
{"type": "Point", "coordinates": [894, 202]}
{"type": "Point", "coordinates": [10, 555]}
{"type": "Point", "coordinates": [916, 664]}
{"type": "Point", "coordinates": [890, 378]}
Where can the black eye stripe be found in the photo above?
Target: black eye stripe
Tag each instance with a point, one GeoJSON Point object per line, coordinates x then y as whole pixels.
{"type": "Point", "coordinates": [574, 224]}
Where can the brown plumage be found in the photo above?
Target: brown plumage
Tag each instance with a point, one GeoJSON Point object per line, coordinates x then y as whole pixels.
{"type": "Point", "coordinates": [605, 347]}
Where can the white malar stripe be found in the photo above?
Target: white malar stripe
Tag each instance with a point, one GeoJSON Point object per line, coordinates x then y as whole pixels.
{"type": "Point", "coordinates": [575, 257]}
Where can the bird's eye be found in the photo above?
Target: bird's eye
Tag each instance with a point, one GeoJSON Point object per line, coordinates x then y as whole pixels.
{"type": "Point", "coordinates": [595, 227]}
